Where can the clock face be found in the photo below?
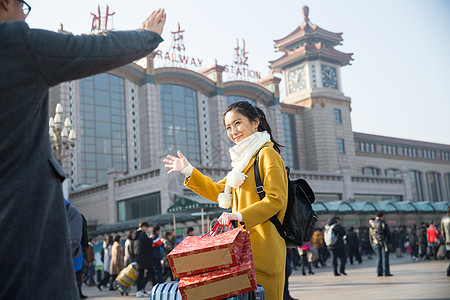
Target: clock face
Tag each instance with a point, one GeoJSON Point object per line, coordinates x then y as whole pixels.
{"type": "Point", "coordinates": [296, 79]}
{"type": "Point", "coordinates": [329, 79]}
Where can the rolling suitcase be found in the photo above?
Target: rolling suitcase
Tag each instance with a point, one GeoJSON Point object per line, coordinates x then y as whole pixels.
{"type": "Point", "coordinates": [169, 291]}
{"type": "Point", "coordinates": [126, 278]}
{"type": "Point", "coordinates": [165, 291]}
{"type": "Point", "coordinates": [254, 295]}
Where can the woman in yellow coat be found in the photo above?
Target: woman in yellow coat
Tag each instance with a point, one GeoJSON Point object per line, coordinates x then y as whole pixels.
{"type": "Point", "coordinates": [247, 127]}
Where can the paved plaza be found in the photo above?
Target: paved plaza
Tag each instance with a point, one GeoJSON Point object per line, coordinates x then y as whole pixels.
{"type": "Point", "coordinates": [412, 280]}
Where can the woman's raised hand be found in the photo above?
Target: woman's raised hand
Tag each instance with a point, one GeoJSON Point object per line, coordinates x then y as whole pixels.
{"type": "Point", "coordinates": [155, 21]}
{"type": "Point", "coordinates": [176, 164]}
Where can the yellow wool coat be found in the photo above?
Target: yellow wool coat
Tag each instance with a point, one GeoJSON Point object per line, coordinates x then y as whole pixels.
{"type": "Point", "coordinates": [269, 248]}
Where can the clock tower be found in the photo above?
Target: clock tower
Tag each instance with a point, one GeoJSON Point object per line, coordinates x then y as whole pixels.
{"type": "Point", "coordinates": [310, 68]}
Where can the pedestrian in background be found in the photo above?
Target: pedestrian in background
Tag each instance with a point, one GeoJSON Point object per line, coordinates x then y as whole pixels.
{"type": "Point", "coordinates": [433, 239]}
{"type": "Point", "coordinates": [353, 245]}
{"type": "Point", "coordinates": [31, 61]}
{"type": "Point", "coordinates": [364, 241]}
{"type": "Point", "coordinates": [128, 249]}
{"type": "Point", "coordinates": [190, 231]}
{"type": "Point", "coordinates": [157, 254]}
{"type": "Point", "coordinates": [445, 231]}
{"type": "Point", "coordinates": [396, 242]}
{"type": "Point", "coordinates": [143, 253]}
{"type": "Point", "coordinates": [107, 253]}
{"type": "Point", "coordinates": [380, 236]}
{"type": "Point", "coordinates": [116, 264]}
{"type": "Point", "coordinates": [422, 241]}
{"type": "Point", "coordinates": [75, 232]}
{"type": "Point", "coordinates": [337, 249]}
{"type": "Point", "coordinates": [90, 259]}
{"type": "Point", "coordinates": [169, 243]}
{"type": "Point", "coordinates": [413, 243]}
{"type": "Point", "coordinates": [305, 250]}
{"type": "Point", "coordinates": [318, 243]}
{"type": "Point", "coordinates": [288, 272]}
{"type": "Point", "coordinates": [402, 239]}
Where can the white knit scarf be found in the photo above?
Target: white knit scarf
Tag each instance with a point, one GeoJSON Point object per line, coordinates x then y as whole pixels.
{"type": "Point", "coordinates": [240, 155]}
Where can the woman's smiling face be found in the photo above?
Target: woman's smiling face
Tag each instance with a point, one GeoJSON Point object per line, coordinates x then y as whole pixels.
{"type": "Point", "coordinates": [239, 127]}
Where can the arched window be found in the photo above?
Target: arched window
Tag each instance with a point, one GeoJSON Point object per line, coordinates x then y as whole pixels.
{"type": "Point", "coordinates": [103, 127]}
{"type": "Point", "coordinates": [179, 118]}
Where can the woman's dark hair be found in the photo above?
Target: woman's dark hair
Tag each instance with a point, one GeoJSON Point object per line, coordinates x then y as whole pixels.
{"type": "Point", "coordinates": [167, 234]}
{"type": "Point", "coordinates": [155, 228]}
{"type": "Point", "coordinates": [117, 238]}
{"type": "Point", "coordinates": [130, 235]}
{"type": "Point", "coordinates": [109, 240]}
{"type": "Point", "coordinates": [190, 229]}
{"type": "Point", "coordinates": [252, 112]}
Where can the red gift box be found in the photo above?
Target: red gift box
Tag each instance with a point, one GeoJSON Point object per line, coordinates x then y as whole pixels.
{"type": "Point", "coordinates": [222, 283]}
{"type": "Point", "coordinates": [199, 254]}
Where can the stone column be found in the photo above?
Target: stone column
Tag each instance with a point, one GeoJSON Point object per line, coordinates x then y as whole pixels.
{"type": "Point", "coordinates": [111, 208]}
{"type": "Point", "coordinates": [407, 194]}
{"type": "Point", "coordinates": [347, 182]}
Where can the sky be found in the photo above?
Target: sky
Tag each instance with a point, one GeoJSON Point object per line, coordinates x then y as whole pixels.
{"type": "Point", "coordinates": [398, 82]}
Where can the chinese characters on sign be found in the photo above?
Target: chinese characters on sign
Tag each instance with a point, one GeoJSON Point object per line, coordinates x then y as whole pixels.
{"type": "Point", "coordinates": [178, 39]}
{"type": "Point", "coordinates": [176, 57]}
{"type": "Point", "coordinates": [239, 68]}
{"type": "Point", "coordinates": [97, 19]}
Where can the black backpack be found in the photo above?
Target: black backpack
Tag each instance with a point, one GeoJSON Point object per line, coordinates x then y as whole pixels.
{"type": "Point", "coordinates": [300, 218]}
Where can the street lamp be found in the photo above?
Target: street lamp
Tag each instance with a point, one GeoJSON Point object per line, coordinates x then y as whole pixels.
{"type": "Point", "coordinates": [62, 136]}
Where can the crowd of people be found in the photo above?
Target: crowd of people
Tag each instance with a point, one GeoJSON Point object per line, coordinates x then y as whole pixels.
{"type": "Point", "coordinates": [424, 243]}
{"type": "Point", "coordinates": [147, 251]}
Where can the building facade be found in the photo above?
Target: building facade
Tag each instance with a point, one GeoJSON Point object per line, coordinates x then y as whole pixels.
{"type": "Point", "coordinates": [129, 119]}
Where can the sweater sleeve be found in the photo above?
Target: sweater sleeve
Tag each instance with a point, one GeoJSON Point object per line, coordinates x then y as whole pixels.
{"type": "Point", "coordinates": [61, 57]}
{"type": "Point", "coordinates": [204, 186]}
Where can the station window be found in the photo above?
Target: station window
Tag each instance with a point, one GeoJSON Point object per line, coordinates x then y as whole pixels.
{"type": "Point", "coordinates": [340, 145]}
{"type": "Point", "coordinates": [337, 116]}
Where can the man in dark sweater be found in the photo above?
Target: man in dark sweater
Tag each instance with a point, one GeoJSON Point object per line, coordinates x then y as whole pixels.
{"type": "Point", "coordinates": [32, 61]}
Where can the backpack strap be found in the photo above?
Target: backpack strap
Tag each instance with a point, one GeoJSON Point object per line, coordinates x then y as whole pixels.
{"type": "Point", "coordinates": [261, 193]}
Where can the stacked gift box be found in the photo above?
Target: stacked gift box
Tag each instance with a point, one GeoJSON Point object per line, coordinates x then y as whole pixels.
{"type": "Point", "coordinates": [214, 266]}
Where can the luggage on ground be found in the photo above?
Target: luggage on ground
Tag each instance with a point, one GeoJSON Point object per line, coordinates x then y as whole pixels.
{"type": "Point", "coordinates": [169, 291]}
{"type": "Point", "coordinates": [126, 278]}
{"type": "Point", "coordinates": [165, 291]}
